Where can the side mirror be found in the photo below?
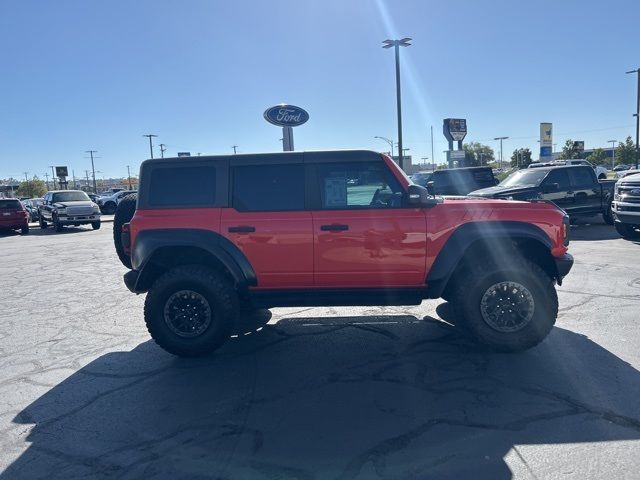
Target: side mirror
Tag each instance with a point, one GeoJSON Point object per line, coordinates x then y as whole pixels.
{"type": "Point", "coordinates": [429, 186]}
{"type": "Point", "coordinates": [550, 188]}
{"type": "Point", "coordinates": [418, 196]}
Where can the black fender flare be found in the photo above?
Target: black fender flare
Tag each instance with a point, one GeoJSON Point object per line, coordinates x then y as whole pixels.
{"type": "Point", "coordinates": [148, 242]}
{"type": "Point", "coordinates": [465, 235]}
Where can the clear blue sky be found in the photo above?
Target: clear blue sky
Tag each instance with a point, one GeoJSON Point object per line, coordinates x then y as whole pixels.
{"type": "Point", "coordinates": [81, 75]}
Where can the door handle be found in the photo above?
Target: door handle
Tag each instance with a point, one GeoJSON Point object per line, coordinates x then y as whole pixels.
{"type": "Point", "coordinates": [242, 229]}
{"type": "Point", "coordinates": [335, 227]}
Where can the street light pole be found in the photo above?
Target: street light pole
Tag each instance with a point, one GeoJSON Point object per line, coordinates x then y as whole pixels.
{"type": "Point", "coordinates": [404, 42]}
{"type": "Point", "coordinates": [234, 149]}
{"type": "Point", "coordinates": [390, 142]}
{"type": "Point", "coordinates": [501, 139]}
{"type": "Point", "coordinates": [613, 153]}
{"type": "Point", "coordinates": [637, 115]}
{"type": "Point", "coordinates": [150, 136]}
{"type": "Point", "coordinates": [162, 150]}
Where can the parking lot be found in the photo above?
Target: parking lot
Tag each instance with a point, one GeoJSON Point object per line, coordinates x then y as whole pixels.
{"type": "Point", "coordinates": [393, 392]}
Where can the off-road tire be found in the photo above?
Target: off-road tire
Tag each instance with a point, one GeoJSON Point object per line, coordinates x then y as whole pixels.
{"type": "Point", "coordinates": [25, 230]}
{"type": "Point", "coordinates": [607, 216]}
{"type": "Point", "coordinates": [626, 231]}
{"type": "Point", "coordinates": [57, 225]}
{"type": "Point", "coordinates": [467, 296]}
{"type": "Point", "coordinates": [124, 214]}
{"type": "Point", "coordinates": [95, 225]}
{"type": "Point", "coordinates": [220, 296]}
{"type": "Point", "coordinates": [109, 208]}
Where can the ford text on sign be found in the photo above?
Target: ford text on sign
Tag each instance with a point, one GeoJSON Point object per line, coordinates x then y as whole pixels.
{"type": "Point", "coordinates": [286, 115]}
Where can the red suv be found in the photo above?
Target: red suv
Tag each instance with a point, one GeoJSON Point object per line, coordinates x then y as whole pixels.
{"type": "Point", "coordinates": [211, 238]}
{"type": "Point", "coordinates": [13, 215]}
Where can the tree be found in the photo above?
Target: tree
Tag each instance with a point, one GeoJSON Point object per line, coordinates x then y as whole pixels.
{"type": "Point", "coordinates": [569, 151]}
{"type": "Point", "coordinates": [598, 157]}
{"type": "Point", "coordinates": [477, 154]}
{"type": "Point", "coordinates": [626, 152]}
{"type": "Point", "coordinates": [32, 188]}
{"type": "Point", "coordinates": [521, 158]}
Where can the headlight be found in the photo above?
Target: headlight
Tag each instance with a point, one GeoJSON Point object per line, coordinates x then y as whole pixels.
{"type": "Point", "coordinates": [616, 195]}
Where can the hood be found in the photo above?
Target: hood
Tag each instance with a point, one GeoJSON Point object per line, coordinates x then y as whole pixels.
{"type": "Point", "coordinates": [519, 193]}
{"type": "Point", "coordinates": [79, 203]}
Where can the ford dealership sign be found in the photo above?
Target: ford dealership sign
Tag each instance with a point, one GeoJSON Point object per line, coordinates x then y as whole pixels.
{"type": "Point", "coordinates": [286, 115]}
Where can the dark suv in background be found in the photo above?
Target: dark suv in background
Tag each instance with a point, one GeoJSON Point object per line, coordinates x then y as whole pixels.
{"type": "Point", "coordinates": [455, 181]}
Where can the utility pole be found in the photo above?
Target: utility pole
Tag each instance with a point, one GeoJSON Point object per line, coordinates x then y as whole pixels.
{"type": "Point", "coordinates": [129, 175]}
{"type": "Point", "coordinates": [46, 176]}
{"type": "Point", "coordinates": [234, 149]}
{"type": "Point", "coordinates": [75, 184]}
{"type": "Point", "coordinates": [86, 172]}
{"type": "Point", "coordinates": [150, 136]}
{"type": "Point", "coordinates": [613, 153]}
{"type": "Point", "coordinates": [53, 177]}
{"type": "Point", "coordinates": [501, 139]}
{"type": "Point", "coordinates": [162, 150]}
{"type": "Point", "coordinates": [93, 170]}
{"type": "Point", "coordinates": [637, 115]}
{"type": "Point", "coordinates": [26, 179]}
{"type": "Point", "coordinates": [404, 42]}
{"type": "Point", "coordinates": [433, 158]}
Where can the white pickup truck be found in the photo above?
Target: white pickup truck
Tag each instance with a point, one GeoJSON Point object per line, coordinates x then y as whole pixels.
{"type": "Point", "coordinates": [626, 206]}
{"type": "Point", "coordinates": [109, 203]}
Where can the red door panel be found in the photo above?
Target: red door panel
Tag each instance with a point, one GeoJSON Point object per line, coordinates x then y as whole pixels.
{"type": "Point", "coordinates": [370, 247]}
{"type": "Point", "coordinates": [279, 245]}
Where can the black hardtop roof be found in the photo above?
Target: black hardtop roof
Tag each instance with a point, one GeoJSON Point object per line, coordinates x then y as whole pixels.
{"type": "Point", "coordinates": [345, 155]}
{"type": "Point", "coordinates": [555, 167]}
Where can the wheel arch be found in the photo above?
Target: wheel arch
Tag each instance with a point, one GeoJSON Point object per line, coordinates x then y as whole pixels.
{"type": "Point", "coordinates": [481, 239]}
{"type": "Point", "coordinates": [156, 251]}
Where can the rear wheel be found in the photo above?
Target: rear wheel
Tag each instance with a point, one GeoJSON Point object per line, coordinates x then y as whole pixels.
{"type": "Point", "coordinates": [626, 231]}
{"type": "Point", "coordinates": [510, 307]}
{"type": "Point", "coordinates": [109, 208]}
{"type": "Point", "coordinates": [124, 214]}
{"type": "Point", "coordinates": [95, 225]}
{"type": "Point", "coordinates": [25, 230]}
{"type": "Point", "coordinates": [42, 223]}
{"type": "Point", "coordinates": [607, 216]}
{"type": "Point", "coordinates": [190, 310]}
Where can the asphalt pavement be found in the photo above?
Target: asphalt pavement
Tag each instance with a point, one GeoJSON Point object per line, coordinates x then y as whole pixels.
{"type": "Point", "coordinates": [344, 393]}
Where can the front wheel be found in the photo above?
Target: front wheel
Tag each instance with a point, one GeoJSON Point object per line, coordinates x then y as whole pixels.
{"type": "Point", "coordinates": [25, 230]}
{"type": "Point", "coordinates": [626, 231]}
{"type": "Point", "coordinates": [190, 310]}
{"type": "Point", "coordinates": [507, 307]}
{"type": "Point", "coordinates": [109, 208]}
{"type": "Point", "coordinates": [42, 223]}
{"type": "Point", "coordinates": [57, 225]}
{"type": "Point", "coordinates": [95, 225]}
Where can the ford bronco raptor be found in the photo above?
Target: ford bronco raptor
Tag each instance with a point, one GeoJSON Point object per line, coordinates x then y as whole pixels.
{"type": "Point", "coordinates": [211, 238]}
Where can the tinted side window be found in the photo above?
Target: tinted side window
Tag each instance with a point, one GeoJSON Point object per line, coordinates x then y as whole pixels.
{"type": "Point", "coordinates": [262, 188]}
{"type": "Point", "coordinates": [183, 186]}
{"type": "Point", "coordinates": [580, 177]}
{"type": "Point", "coordinates": [558, 176]}
{"type": "Point", "coordinates": [358, 185]}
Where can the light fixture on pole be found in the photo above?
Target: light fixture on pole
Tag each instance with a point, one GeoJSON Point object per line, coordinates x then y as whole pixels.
{"type": "Point", "coordinates": [501, 139]}
{"type": "Point", "coordinates": [403, 42]}
{"type": "Point", "coordinates": [390, 142]}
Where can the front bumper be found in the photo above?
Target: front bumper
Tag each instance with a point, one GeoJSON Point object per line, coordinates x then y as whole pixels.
{"type": "Point", "coordinates": [78, 219]}
{"type": "Point", "coordinates": [563, 266]}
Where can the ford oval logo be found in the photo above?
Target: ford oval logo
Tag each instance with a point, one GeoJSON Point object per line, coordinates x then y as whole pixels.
{"type": "Point", "coordinates": [286, 115]}
{"type": "Point", "coordinates": [635, 192]}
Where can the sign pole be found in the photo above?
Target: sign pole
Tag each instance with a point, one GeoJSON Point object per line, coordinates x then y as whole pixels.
{"type": "Point", "coordinates": [287, 142]}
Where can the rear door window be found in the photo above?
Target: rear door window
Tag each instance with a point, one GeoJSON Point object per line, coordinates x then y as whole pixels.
{"type": "Point", "coordinates": [580, 177]}
{"type": "Point", "coordinates": [183, 186]}
{"type": "Point", "coordinates": [262, 188]}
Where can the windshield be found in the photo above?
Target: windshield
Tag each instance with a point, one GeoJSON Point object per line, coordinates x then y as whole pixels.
{"type": "Point", "coordinates": [524, 177]}
{"type": "Point", "coordinates": [70, 197]}
{"type": "Point", "coordinates": [421, 178]}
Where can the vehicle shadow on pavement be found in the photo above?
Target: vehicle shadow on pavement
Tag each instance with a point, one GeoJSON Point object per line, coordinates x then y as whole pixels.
{"type": "Point", "coordinates": [391, 396]}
